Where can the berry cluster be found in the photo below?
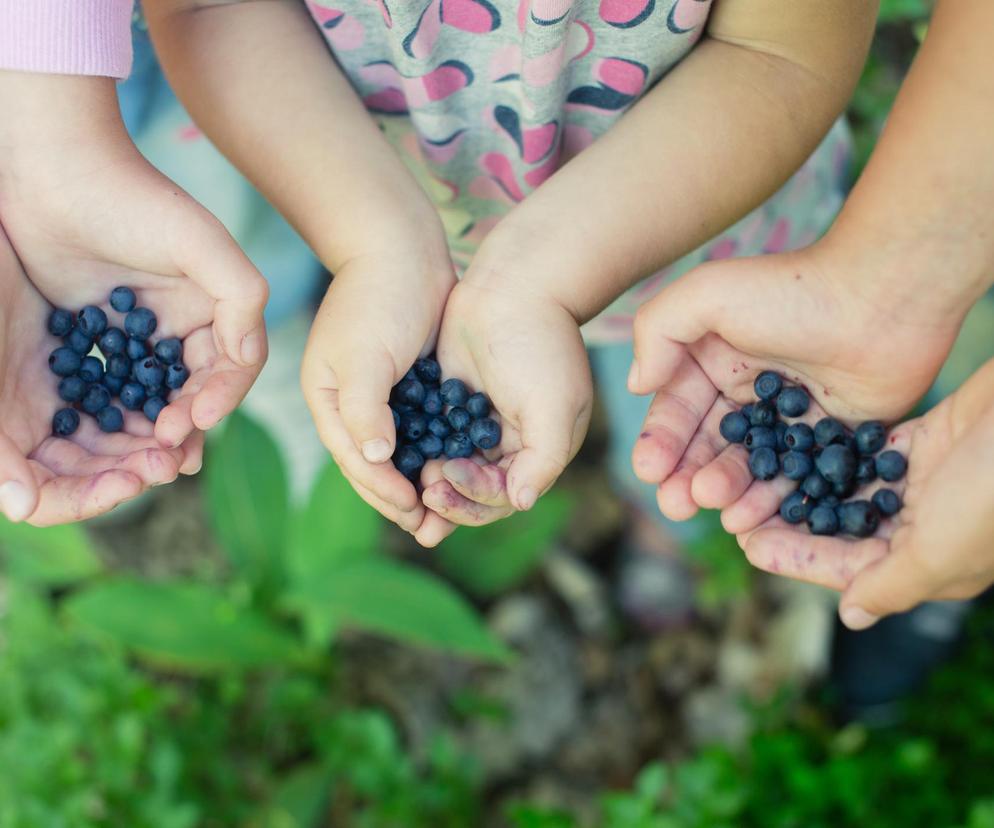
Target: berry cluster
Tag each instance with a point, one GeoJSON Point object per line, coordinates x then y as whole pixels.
{"type": "Point", "coordinates": [438, 419]}
{"type": "Point", "coordinates": [128, 368]}
{"type": "Point", "coordinates": [829, 462]}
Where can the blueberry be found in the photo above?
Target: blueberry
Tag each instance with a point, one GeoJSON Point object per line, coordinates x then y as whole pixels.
{"type": "Point", "coordinates": [176, 375]}
{"type": "Point", "coordinates": [763, 414]}
{"type": "Point", "coordinates": [408, 461]}
{"type": "Point", "coordinates": [837, 464]}
{"type": "Point", "coordinates": [122, 299]}
{"type": "Point", "coordinates": [797, 465]}
{"type": "Point", "coordinates": [113, 384]}
{"type": "Point", "coordinates": [459, 419]}
{"type": "Point", "coordinates": [887, 501]}
{"type": "Point", "coordinates": [136, 349]}
{"type": "Point", "coordinates": [768, 385]}
{"type": "Point", "coordinates": [760, 437]}
{"type": "Point", "coordinates": [118, 365]}
{"type": "Point", "coordinates": [92, 321]}
{"type": "Point", "coordinates": [409, 392]}
{"type": "Point", "coordinates": [410, 375]}
{"type": "Point", "coordinates": [65, 422]}
{"type": "Point", "coordinates": [439, 426]}
{"type": "Point", "coordinates": [829, 500]}
{"type": "Point", "coordinates": [763, 464]}
{"type": "Point", "coordinates": [793, 401]}
{"type": "Point", "coordinates": [870, 437]}
{"type": "Point", "coordinates": [153, 407]}
{"type": "Point", "coordinates": [112, 341]}
{"type": "Point", "coordinates": [800, 437]}
{"type": "Point", "coordinates": [140, 323]}
{"type": "Point", "coordinates": [746, 411]}
{"type": "Point", "coordinates": [485, 433]}
{"type": "Point", "coordinates": [823, 520]}
{"type": "Point", "coordinates": [432, 405]}
{"type": "Point", "coordinates": [64, 361]}
{"type": "Point", "coordinates": [845, 490]}
{"type": "Point", "coordinates": [428, 371]}
{"type": "Point", "coordinates": [110, 419]}
{"type": "Point", "coordinates": [413, 425]}
{"type": "Point", "coordinates": [734, 426]}
{"type": "Point", "coordinates": [149, 372]}
{"type": "Point", "coordinates": [72, 389]}
{"type": "Point", "coordinates": [169, 350]}
{"type": "Point", "coordinates": [430, 446]}
{"type": "Point", "coordinates": [781, 431]}
{"type": "Point", "coordinates": [859, 518]}
{"type": "Point", "coordinates": [796, 507]}
{"type": "Point", "coordinates": [79, 342]}
{"type": "Point", "coordinates": [91, 369]}
{"type": "Point", "coordinates": [95, 398]}
{"type": "Point", "coordinates": [866, 470]}
{"type": "Point", "coordinates": [816, 486]}
{"type": "Point", "coordinates": [891, 466]}
{"type": "Point", "coordinates": [396, 418]}
{"type": "Point", "coordinates": [829, 431]}
{"type": "Point", "coordinates": [133, 396]}
{"type": "Point", "coordinates": [59, 322]}
{"type": "Point", "coordinates": [458, 445]}
{"type": "Point", "coordinates": [478, 405]}
{"type": "Point", "coordinates": [454, 392]}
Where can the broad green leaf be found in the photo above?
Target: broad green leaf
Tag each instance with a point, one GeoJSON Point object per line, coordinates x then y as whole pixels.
{"type": "Point", "coordinates": [180, 625]}
{"type": "Point", "coordinates": [55, 556]}
{"type": "Point", "coordinates": [490, 559]}
{"type": "Point", "coordinates": [248, 499]}
{"type": "Point", "coordinates": [302, 796]}
{"type": "Point", "coordinates": [401, 602]}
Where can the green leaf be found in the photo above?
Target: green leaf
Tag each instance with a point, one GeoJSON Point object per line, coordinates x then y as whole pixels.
{"type": "Point", "coordinates": [248, 499]}
{"type": "Point", "coordinates": [54, 556]}
{"type": "Point", "coordinates": [180, 625]}
{"type": "Point", "coordinates": [401, 602]}
{"type": "Point", "coordinates": [303, 795]}
{"type": "Point", "coordinates": [491, 559]}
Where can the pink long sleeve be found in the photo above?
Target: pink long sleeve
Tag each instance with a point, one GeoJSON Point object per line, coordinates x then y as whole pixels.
{"type": "Point", "coordinates": [71, 37]}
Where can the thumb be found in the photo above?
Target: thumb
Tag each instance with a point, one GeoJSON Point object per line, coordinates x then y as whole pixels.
{"type": "Point", "coordinates": [18, 490]}
{"type": "Point", "coordinates": [364, 384]}
{"type": "Point", "coordinates": [895, 583]}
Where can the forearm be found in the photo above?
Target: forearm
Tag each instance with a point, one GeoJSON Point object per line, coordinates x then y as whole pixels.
{"type": "Point", "coordinates": [922, 208]}
{"type": "Point", "coordinates": [260, 82]}
{"type": "Point", "coordinates": [713, 140]}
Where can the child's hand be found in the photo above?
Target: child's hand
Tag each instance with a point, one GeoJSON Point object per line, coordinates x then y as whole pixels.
{"type": "Point", "coordinates": [939, 546]}
{"type": "Point", "coordinates": [525, 352]}
{"type": "Point", "coordinates": [860, 349]}
{"type": "Point", "coordinates": [48, 480]}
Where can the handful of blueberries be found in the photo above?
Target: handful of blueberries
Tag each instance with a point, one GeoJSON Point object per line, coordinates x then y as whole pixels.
{"type": "Point", "coordinates": [829, 462]}
{"type": "Point", "coordinates": [438, 419]}
{"type": "Point", "coordinates": [131, 369]}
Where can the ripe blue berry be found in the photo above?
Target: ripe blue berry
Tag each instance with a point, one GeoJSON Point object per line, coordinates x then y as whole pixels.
{"type": "Point", "coordinates": [413, 425]}
{"type": "Point", "coordinates": [408, 461]}
{"type": "Point", "coordinates": [79, 341]}
{"type": "Point", "coordinates": [887, 501]}
{"type": "Point", "coordinates": [866, 470]}
{"type": "Point", "coordinates": [65, 422]}
{"type": "Point", "coordinates": [119, 366]}
{"type": "Point", "coordinates": [829, 500]}
{"type": "Point", "coordinates": [485, 433]}
{"type": "Point", "coordinates": [59, 322]}
{"type": "Point", "coordinates": [432, 405]}
{"type": "Point", "coordinates": [454, 392]}
{"type": "Point", "coordinates": [396, 418]}
{"type": "Point", "coordinates": [133, 396]}
{"type": "Point", "coordinates": [763, 464]}
{"type": "Point", "coordinates": [891, 466]}
{"type": "Point", "coordinates": [768, 385]}
{"type": "Point", "coordinates": [430, 446]}
{"type": "Point", "coordinates": [797, 465]}
{"type": "Point", "coordinates": [844, 491]}
{"type": "Point", "coordinates": [428, 371]}
{"type": "Point", "coordinates": [734, 426]}
{"type": "Point", "coordinates": [859, 518]}
{"type": "Point", "coordinates": [781, 431]}
{"type": "Point", "coordinates": [64, 362]}
{"type": "Point", "coordinates": [829, 431]}
{"type": "Point", "coordinates": [458, 445]}
{"type": "Point", "coordinates": [459, 419]}
{"type": "Point", "coordinates": [793, 401]}
{"type": "Point", "coordinates": [113, 384]}
{"type": "Point", "coordinates": [169, 350]}
{"type": "Point", "coordinates": [91, 369]}
{"type": "Point", "coordinates": [149, 372]}
{"type": "Point", "coordinates": [478, 406]}
{"type": "Point", "coordinates": [136, 349]}
{"type": "Point", "coordinates": [176, 375]}
{"type": "Point", "coordinates": [746, 411]}
{"type": "Point", "coordinates": [95, 398]}
{"type": "Point", "coordinates": [760, 437]}
{"type": "Point", "coordinates": [110, 419]}
{"type": "Point", "coordinates": [112, 341]}
{"type": "Point", "coordinates": [796, 507]}
{"type": "Point", "coordinates": [870, 437]}
{"type": "Point", "coordinates": [816, 486]}
{"type": "Point", "coordinates": [837, 464]}
{"type": "Point", "coordinates": [763, 414]}
{"type": "Point", "coordinates": [153, 407]}
{"type": "Point", "coordinates": [92, 321]}
{"type": "Point", "coordinates": [823, 520]}
{"type": "Point", "coordinates": [410, 392]}
{"type": "Point", "coordinates": [140, 323]}
{"type": "Point", "coordinates": [439, 426]}
{"type": "Point", "coordinates": [123, 299]}
{"type": "Point", "coordinates": [800, 437]}
{"type": "Point", "coordinates": [72, 389]}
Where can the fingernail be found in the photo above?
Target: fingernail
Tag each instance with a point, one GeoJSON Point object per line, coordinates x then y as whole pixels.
{"type": "Point", "coordinates": [526, 498]}
{"type": "Point", "coordinates": [15, 500]}
{"type": "Point", "coordinates": [376, 451]}
{"type": "Point", "coordinates": [455, 473]}
{"type": "Point", "coordinates": [857, 618]}
{"type": "Point", "coordinates": [633, 374]}
{"type": "Point", "coordinates": [252, 346]}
